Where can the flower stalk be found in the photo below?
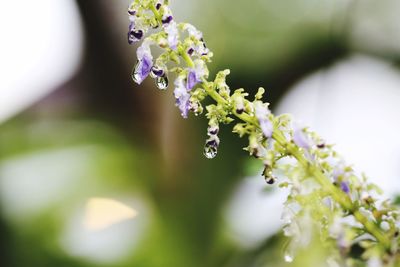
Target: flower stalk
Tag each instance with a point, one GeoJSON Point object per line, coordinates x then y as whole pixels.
{"type": "Point", "coordinates": [324, 191]}
{"type": "Point", "coordinates": [338, 195]}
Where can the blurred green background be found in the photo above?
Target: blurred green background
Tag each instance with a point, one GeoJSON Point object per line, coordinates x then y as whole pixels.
{"type": "Point", "coordinates": [93, 133]}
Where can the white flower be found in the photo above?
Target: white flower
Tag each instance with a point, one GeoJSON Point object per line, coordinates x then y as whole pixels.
{"type": "Point", "coordinates": [300, 138]}
{"type": "Point", "coordinates": [262, 113]}
{"type": "Point", "coordinates": [182, 96]}
{"type": "Point", "coordinates": [374, 262]}
{"type": "Point", "coordinates": [173, 34]}
{"type": "Point", "coordinates": [193, 31]}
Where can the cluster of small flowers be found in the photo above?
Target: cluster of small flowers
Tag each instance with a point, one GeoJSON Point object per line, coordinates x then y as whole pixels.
{"type": "Point", "coordinates": [181, 40]}
{"type": "Point", "coordinates": [325, 194]}
{"type": "Point", "coordinates": [339, 228]}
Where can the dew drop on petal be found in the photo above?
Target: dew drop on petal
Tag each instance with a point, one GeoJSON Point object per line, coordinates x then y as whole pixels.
{"type": "Point", "coordinates": [210, 151]}
{"type": "Point", "coordinates": [136, 73]}
{"type": "Point", "coordinates": [162, 82]}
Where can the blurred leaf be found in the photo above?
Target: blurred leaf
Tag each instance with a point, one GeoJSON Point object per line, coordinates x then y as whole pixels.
{"type": "Point", "coordinates": [253, 167]}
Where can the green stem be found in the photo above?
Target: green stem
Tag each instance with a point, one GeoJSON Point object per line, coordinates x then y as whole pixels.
{"type": "Point", "coordinates": [155, 12]}
{"type": "Point", "coordinates": [186, 57]}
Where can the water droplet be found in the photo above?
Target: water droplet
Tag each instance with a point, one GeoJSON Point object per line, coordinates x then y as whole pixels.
{"type": "Point", "coordinates": [210, 151]}
{"type": "Point", "coordinates": [288, 257]}
{"type": "Point", "coordinates": [136, 72]}
{"type": "Point", "coordinates": [162, 82]}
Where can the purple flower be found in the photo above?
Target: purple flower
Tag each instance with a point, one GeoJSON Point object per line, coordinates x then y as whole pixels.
{"type": "Point", "coordinates": [196, 74]}
{"type": "Point", "coordinates": [167, 19]}
{"type": "Point", "coordinates": [345, 187]}
{"type": "Point", "coordinates": [301, 139]}
{"type": "Point", "coordinates": [159, 4]}
{"type": "Point", "coordinates": [182, 96]}
{"type": "Point", "coordinates": [213, 130]}
{"type": "Point", "coordinates": [157, 71]}
{"type": "Point", "coordinates": [199, 46]}
{"type": "Point", "coordinates": [339, 177]}
{"type": "Point", "coordinates": [173, 35]}
{"type": "Point", "coordinates": [262, 114]}
{"type": "Point", "coordinates": [134, 35]}
{"type": "Point", "coordinates": [145, 63]}
{"type": "Point", "coordinates": [192, 79]}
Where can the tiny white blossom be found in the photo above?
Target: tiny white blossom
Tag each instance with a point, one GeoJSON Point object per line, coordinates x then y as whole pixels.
{"type": "Point", "coordinates": [173, 35]}
{"type": "Point", "coordinates": [262, 113]}
{"type": "Point", "coordinates": [182, 96]}
{"type": "Point", "coordinates": [193, 31]}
